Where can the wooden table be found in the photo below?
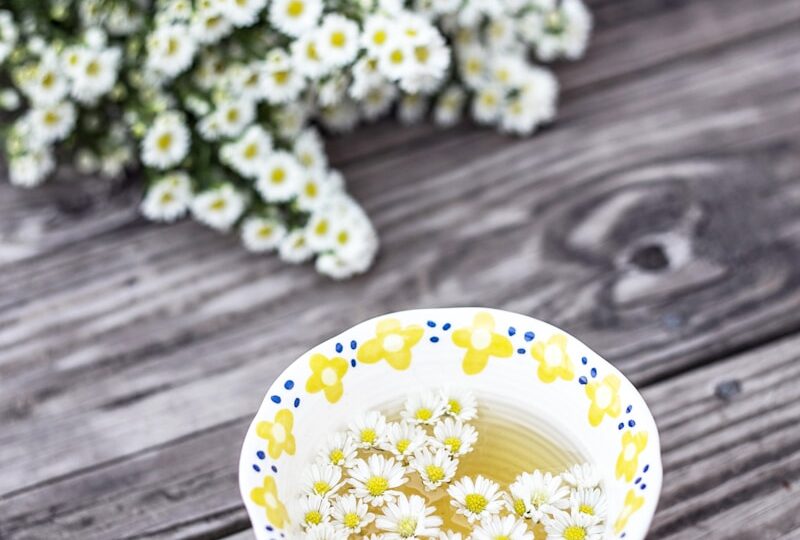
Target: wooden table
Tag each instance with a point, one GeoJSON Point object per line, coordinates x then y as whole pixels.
{"type": "Point", "coordinates": [658, 220]}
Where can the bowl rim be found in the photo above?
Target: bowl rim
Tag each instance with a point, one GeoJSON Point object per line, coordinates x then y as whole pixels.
{"type": "Point", "coordinates": [655, 478]}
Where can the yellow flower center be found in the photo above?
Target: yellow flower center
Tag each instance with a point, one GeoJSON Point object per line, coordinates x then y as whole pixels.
{"type": "Point", "coordinates": [379, 37]}
{"type": "Point", "coordinates": [164, 142]}
{"type": "Point", "coordinates": [321, 487]}
{"type": "Point", "coordinates": [48, 80]}
{"type": "Point", "coordinates": [435, 473]}
{"type": "Point", "coordinates": [307, 159]}
{"type": "Point", "coordinates": [402, 445]}
{"type": "Point", "coordinates": [213, 21]}
{"type": "Point", "coordinates": [474, 66]}
{"type": "Point", "coordinates": [167, 197]}
{"type": "Point", "coordinates": [406, 527]}
{"type": "Point", "coordinates": [603, 397]}
{"type": "Point", "coordinates": [503, 75]}
{"type": "Point", "coordinates": [313, 517]}
{"type": "Point", "coordinates": [396, 57]}
{"type": "Point", "coordinates": [311, 51]}
{"type": "Point", "coordinates": [281, 77]}
{"type": "Point", "coordinates": [453, 443]}
{"type": "Point", "coordinates": [279, 433]}
{"type": "Point", "coordinates": [336, 456]}
{"type": "Point", "coordinates": [265, 231]}
{"type": "Point", "coordinates": [368, 436]}
{"type": "Point", "coordinates": [311, 189]}
{"type": "Point", "coordinates": [232, 115]}
{"type": "Point", "coordinates": [455, 406]}
{"type": "Point", "coordinates": [475, 503]}
{"type": "Point", "coordinates": [321, 228]}
{"type": "Point", "coordinates": [377, 485]}
{"type": "Point", "coordinates": [329, 376]}
{"type": "Point", "coordinates": [251, 151]}
{"type": "Point", "coordinates": [351, 520]}
{"type": "Point", "coordinates": [342, 238]}
{"type": "Point", "coordinates": [481, 339]}
{"type": "Point", "coordinates": [51, 118]}
{"type": "Point", "coordinates": [586, 509]}
{"type": "Point", "coordinates": [574, 532]}
{"type": "Point", "coordinates": [422, 54]}
{"type": "Point", "coordinates": [338, 39]}
{"type": "Point", "coordinates": [423, 413]}
{"type": "Point", "coordinates": [519, 507]}
{"type": "Point", "coordinates": [295, 8]}
{"type": "Point", "coordinates": [490, 101]}
{"type": "Point", "coordinates": [278, 175]}
{"type": "Point", "coordinates": [502, 537]}
{"type": "Point", "coordinates": [219, 204]}
{"type": "Point", "coordinates": [172, 46]}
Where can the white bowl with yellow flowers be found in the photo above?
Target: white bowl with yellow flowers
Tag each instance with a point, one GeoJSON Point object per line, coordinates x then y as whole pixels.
{"type": "Point", "coordinates": [343, 441]}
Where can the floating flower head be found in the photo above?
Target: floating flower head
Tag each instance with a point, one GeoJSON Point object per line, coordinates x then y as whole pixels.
{"type": "Point", "coordinates": [502, 528]}
{"type": "Point", "coordinates": [588, 501]}
{"type": "Point", "coordinates": [481, 343]}
{"type": "Point", "coordinates": [435, 468]}
{"type": "Point", "coordinates": [460, 404]}
{"type": "Point", "coordinates": [454, 436]}
{"type": "Point", "coordinates": [582, 476]}
{"type": "Point", "coordinates": [403, 439]}
{"type": "Point", "coordinates": [535, 495]}
{"type": "Point", "coordinates": [375, 481]}
{"type": "Point", "coordinates": [351, 514]}
{"type": "Point", "coordinates": [339, 450]}
{"type": "Point", "coordinates": [408, 518]}
{"type": "Point", "coordinates": [475, 499]}
{"type": "Point", "coordinates": [573, 526]}
{"type": "Point", "coordinates": [423, 409]}
{"type": "Point", "coordinates": [314, 510]}
{"type": "Point", "coordinates": [368, 430]}
{"type": "Point", "coordinates": [321, 479]}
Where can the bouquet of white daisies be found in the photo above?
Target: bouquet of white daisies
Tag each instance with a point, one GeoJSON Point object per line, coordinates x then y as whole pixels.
{"type": "Point", "coordinates": [219, 102]}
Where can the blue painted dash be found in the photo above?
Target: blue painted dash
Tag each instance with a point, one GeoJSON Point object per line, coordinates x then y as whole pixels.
{"type": "Point", "coordinates": [289, 384]}
{"type": "Point", "coordinates": [631, 423]}
{"type": "Point", "coordinates": [646, 468]}
{"type": "Point", "coordinates": [593, 372]}
{"type": "Point", "coordinates": [269, 528]}
{"type": "Point", "coordinates": [583, 380]}
{"type": "Point", "coordinates": [621, 426]}
{"type": "Point", "coordinates": [256, 468]}
{"type": "Point", "coordinates": [275, 399]}
{"type": "Point", "coordinates": [274, 469]}
{"type": "Point", "coordinates": [296, 402]}
{"type": "Point", "coordinates": [353, 344]}
{"type": "Point", "coordinates": [643, 486]}
{"type": "Point", "coordinates": [434, 339]}
{"type": "Point", "coordinates": [339, 347]}
{"type": "Point", "coordinates": [629, 409]}
{"type": "Point", "coordinates": [521, 350]}
{"type": "Point", "coordinates": [353, 362]}
{"type": "Point", "coordinates": [584, 360]}
{"type": "Point", "coordinates": [432, 324]}
{"type": "Point", "coordinates": [446, 326]}
{"type": "Point", "coordinates": [511, 330]}
{"type": "Point", "coordinates": [260, 454]}
{"type": "Point", "coordinates": [637, 480]}
{"type": "Point", "coordinates": [529, 336]}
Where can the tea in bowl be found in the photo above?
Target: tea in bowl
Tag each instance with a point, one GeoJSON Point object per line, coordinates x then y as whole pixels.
{"type": "Point", "coordinates": [451, 423]}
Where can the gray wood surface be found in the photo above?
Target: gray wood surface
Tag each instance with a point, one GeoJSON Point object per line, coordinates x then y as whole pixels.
{"type": "Point", "coordinates": [658, 220]}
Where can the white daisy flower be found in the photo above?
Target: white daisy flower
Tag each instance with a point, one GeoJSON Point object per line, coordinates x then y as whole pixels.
{"type": "Point", "coordinates": [408, 518]}
{"type": "Point", "coordinates": [261, 234]}
{"type": "Point", "coordinates": [412, 108]}
{"type": "Point", "coordinates": [169, 198]}
{"type": "Point", "coordinates": [582, 476]}
{"type": "Point", "coordinates": [280, 177]}
{"type": "Point", "coordinates": [449, 106]}
{"type": "Point", "coordinates": [434, 468]}
{"type": "Point", "coordinates": [321, 479]}
{"type": "Point", "coordinates": [454, 435]}
{"type": "Point", "coordinates": [31, 168]}
{"type": "Point", "coordinates": [248, 154]}
{"type": "Point", "coordinates": [473, 65]}
{"type": "Point", "coordinates": [540, 494]}
{"type": "Point", "coordinates": [243, 12]}
{"type": "Point", "coordinates": [294, 248]}
{"type": "Point", "coordinates": [403, 439]}
{"type": "Point", "coordinates": [351, 515]}
{"type": "Point", "coordinates": [378, 30]}
{"type": "Point", "coordinates": [569, 526]}
{"type": "Point", "coordinates": [53, 123]}
{"type": "Point", "coordinates": [396, 59]}
{"type": "Point", "coordinates": [314, 510]}
{"type": "Point", "coordinates": [219, 208]}
{"type": "Point", "coordinates": [209, 25]}
{"type": "Point", "coordinates": [423, 408]}
{"type": "Point", "coordinates": [8, 34]}
{"type": "Point", "coordinates": [500, 33]}
{"type": "Point", "coordinates": [502, 528]}
{"type": "Point", "coordinates": [315, 188]}
{"type": "Point", "coordinates": [566, 31]}
{"type": "Point", "coordinates": [46, 84]}
{"type": "Point", "coordinates": [9, 99]}
{"type": "Point", "coordinates": [295, 17]}
{"type": "Point", "coordinates": [320, 236]}
{"type": "Point", "coordinates": [449, 535]}
{"type": "Point", "coordinates": [368, 430]}
{"type": "Point", "coordinates": [341, 117]}
{"type": "Point", "coordinates": [475, 499]}
{"type": "Point", "coordinates": [339, 449]}
{"type": "Point", "coordinates": [232, 116]}
{"type": "Point", "coordinates": [459, 403]}
{"type": "Point", "coordinates": [506, 70]}
{"type": "Point", "coordinates": [309, 151]}
{"type": "Point", "coordinates": [487, 104]}
{"type": "Point", "coordinates": [588, 501]}
{"type": "Point", "coordinates": [281, 83]}
{"type": "Point", "coordinates": [376, 479]}
{"type": "Point", "coordinates": [325, 531]}
{"type": "Point", "coordinates": [338, 43]}
{"type": "Point", "coordinates": [378, 100]}
{"type": "Point", "coordinates": [366, 75]}
{"type": "Point", "coordinates": [539, 88]}
{"type": "Point", "coordinates": [333, 90]}
{"type": "Point", "coordinates": [95, 75]}
{"type": "Point", "coordinates": [518, 116]}
{"type": "Point", "coordinates": [306, 58]}
{"type": "Point", "coordinates": [166, 143]}
{"type": "Point", "coordinates": [335, 266]}
{"type": "Point", "coordinates": [170, 49]}
{"type": "Point", "coordinates": [123, 20]}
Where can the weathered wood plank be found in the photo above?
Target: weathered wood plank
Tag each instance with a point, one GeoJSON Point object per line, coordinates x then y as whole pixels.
{"type": "Point", "coordinates": [732, 467]}
{"type": "Point", "coordinates": [658, 261]}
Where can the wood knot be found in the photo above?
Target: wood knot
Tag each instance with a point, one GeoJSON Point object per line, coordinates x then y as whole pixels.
{"type": "Point", "coordinates": [727, 390]}
{"type": "Point", "coordinates": [650, 257]}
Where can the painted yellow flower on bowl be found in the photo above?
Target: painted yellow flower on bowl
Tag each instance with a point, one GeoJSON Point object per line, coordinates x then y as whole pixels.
{"type": "Point", "coordinates": [481, 342]}
{"type": "Point", "coordinates": [628, 460]}
{"type": "Point", "coordinates": [278, 434]}
{"type": "Point", "coordinates": [267, 496]}
{"type": "Point", "coordinates": [326, 375]}
{"type": "Point", "coordinates": [632, 503]}
{"type": "Point", "coordinates": [605, 399]}
{"type": "Point", "coordinates": [392, 343]}
{"type": "Point", "coordinates": [554, 361]}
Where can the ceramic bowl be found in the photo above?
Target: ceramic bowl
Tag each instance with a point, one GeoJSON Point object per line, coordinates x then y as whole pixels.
{"type": "Point", "coordinates": [519, 363]}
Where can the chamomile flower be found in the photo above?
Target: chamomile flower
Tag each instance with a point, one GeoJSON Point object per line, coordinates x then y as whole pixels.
{"type": "Point", "coordinates": [248, 154]}
{"type": "Point", "coordinates": [295, 17]}
{"type": "Point", "coordinates": [454, 435]}
{"type": "Point", "coordinates": [321, 479]}
{"type": "Point", "coordinates": [408, 518]}
{"type": "Point", "coordinates": [261, 234]}
{"type": "Point", "coordinates": [53, 122]}
{"type": "Point", "coordinates": [449, 106]}
{"type": "Point", "coordinates": [351, 515]}
{"type": "Point", "coordinates": [209, 25]}
{"type": "Point", "coordinates": [475, 499]}
{"type": "Point", "coordinates": [315, 188]}
{"type": "Point", "coordinates": [582, 476]}
{"type": "Point", "coordinates": [540, 90]}
{"type": "Point", "coordinates": [459, 403]}
{"type": "Point", "coordinates": [31, 168]}
{"type": "Point", "coordinates": [502, 528]}
{"type": "Point", "coordinates": [424, 408]}
{"type": "Point", "coordinates": [449, 535]}
{"type": "Point", "coordinates": [166, 143]}
{"type": "Point", "coordinates": [45, 83]}
{"type": "Point", "coordinates": [435, 468]}
{"type": "Point", "coordinates": [403, 439]}
{"type": "Point", "coordinates": [294, 248]}
{"type": "Point", "coordinates": [168, 199]}
{"type": "Point", "coordinates": [335, 266]}
{"type": "Point", "coordinates": [244, 12]}
{"type": "Point", "coordinates": [540, 494]}
{"type": "Point", "coordinates": [314, 510]}
{"type": "Point", "coordinates": [378, 100]}
{"type": "Point", "coordinates": [375, 481]}
{"type": "Point", "coordinates": [500, 33]}
{"type": "Point", "coordinates": [281, 83]}
{"type": "Point", "coordinates": [170, 49]}
{"type": "Point", "coordinates": [487, 104]}
{"type": "Point", "coordinates": [566, 31]}
{"type": "Point", "coordinates": [9, 99]}
{"type": "Point", "coordinates": [341, 117]}
{"type": "Point", "coordinates": [333, 90]}
{"type": "Point", "coordinates": [368, 430]}
{"type": "Point", "coordinates": [280, 177]}
{"type": "Point", "coordinates": [338, 42]}
{"type": "Point", "coordinates": [325, 531]}
{"type": "Point", "coordinates": [339, 450]}
{"type": "Point", "coordinates": [309, 151]}
{"type": "Point", "coordinates": [473, 65]}
{"type": "Point", "coordinates": [219, 208]}
{"type": "Point", "coordinates": [95, 75]}
{"type": "Point", "coordinates": [378, 31]}
{"type": "Point", "coordinates": [366, 76]}
{"type": "Point", "coordinates": [232, 116]}
{"type": "Point", "coordinates": [8, 34]}
{"type": "Point", "coordinates": [588, 501]}
{"type": "Point", "coordinates": [568, 526]}
{"type": "Point", "coordinates": [306, 58]}
{"type": "Point", "coordinates": [396, 58]}
{"type": "Point", "coordinates": [412, 108]}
